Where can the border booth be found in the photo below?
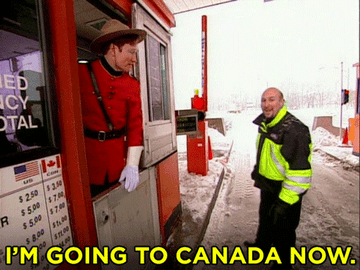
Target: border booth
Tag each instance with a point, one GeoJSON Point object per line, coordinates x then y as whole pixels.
{"type": "Point", "coordinates": [354, 122]}
{"type": "Point", "coordinates": [45, 200]}
{"type": "Point", "coordinates": [198, 143]}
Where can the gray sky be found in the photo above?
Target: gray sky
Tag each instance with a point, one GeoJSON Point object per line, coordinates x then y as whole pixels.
{"type": "Point", "coordinates": [252, 45]}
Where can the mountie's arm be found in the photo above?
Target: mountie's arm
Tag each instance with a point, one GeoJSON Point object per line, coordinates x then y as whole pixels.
{"type": "Point", "coordinates": [130, 173]}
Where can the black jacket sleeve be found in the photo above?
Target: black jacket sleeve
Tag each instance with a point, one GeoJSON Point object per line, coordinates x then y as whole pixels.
{"type": "Point", "coordinates": [296, 147]}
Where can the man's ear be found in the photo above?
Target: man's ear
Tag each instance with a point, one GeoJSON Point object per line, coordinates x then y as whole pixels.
{"type": "Point", "coordinates": [112, 49]}
{"type": "Point", "coordinates": [282, 102]}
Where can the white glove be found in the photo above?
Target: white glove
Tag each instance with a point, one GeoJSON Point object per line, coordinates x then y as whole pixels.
{"type": "Point", "coordinates": [130, 173]}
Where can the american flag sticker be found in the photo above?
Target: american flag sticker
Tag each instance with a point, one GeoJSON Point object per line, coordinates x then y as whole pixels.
{"type": "Point", "coordinates": [26, 171]}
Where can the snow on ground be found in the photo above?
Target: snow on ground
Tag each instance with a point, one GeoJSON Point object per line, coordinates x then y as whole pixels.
{"type": "Point", "coordinates": [322, 139]}
{"type": "Point", "coordinates": [234, 218]}
{"type": "Point", "coordinates": [196, 191]}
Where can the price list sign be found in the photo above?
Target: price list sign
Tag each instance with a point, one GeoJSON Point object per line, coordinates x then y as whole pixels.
{"type": "Point", "coordinates": [33, 213]}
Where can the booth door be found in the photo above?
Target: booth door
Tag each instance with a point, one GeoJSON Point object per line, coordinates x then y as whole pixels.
{"type": "Point", "coordinates": [129, 219]}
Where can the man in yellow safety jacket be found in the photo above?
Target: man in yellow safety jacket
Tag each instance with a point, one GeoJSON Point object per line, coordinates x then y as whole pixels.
{"type": "Point", "coordinates": [283, 174]}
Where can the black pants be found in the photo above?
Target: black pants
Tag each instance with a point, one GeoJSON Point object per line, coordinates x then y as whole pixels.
{"type": "Point", "coordinates": [281, 235]}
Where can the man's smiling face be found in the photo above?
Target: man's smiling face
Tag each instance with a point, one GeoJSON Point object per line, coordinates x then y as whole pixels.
{"type": "Point", "coordinates": [271, 102]}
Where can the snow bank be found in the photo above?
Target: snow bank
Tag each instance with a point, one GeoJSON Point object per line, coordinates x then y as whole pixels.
{"type": "Point", "coordinates": [322, 137]}
{"type": "Point", "coordinates": [331, 144]}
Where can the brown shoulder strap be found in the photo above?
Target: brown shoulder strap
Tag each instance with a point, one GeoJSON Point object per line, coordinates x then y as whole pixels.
{"type": "Point", "coordinates": [99, 98]}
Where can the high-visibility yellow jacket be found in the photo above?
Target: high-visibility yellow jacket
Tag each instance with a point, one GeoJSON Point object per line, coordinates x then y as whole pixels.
{"type": "Point", "coordinates": [284, 152]}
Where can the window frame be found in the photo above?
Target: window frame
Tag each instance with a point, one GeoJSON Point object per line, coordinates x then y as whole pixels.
{"type": "Point", "coordinates": [50, 104]}
{"type": "Point", "coordinates": [160, 135]}
{"type": "Point", "coordinates": [163, 79]}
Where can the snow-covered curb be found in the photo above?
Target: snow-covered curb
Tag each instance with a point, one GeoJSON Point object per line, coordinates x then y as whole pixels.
{"type": "Point", "coordinates": [327, 143]}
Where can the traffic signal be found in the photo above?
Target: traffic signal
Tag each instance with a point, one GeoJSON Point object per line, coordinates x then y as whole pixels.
{"type": "Point", "coordinates": [344, 96]}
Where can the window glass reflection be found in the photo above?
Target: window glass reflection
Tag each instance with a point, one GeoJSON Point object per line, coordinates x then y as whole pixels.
{"type": "Point", "coordinates": [157, 80]}
{"type": "Point", "coordinates": [22, 86]}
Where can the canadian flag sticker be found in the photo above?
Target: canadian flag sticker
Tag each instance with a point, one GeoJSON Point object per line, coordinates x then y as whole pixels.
{"type": "Point", "coordinates": [50, 164]}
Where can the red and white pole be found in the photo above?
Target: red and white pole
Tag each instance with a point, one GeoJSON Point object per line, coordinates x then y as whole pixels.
{"type": "Point", "coordinates": [204, 60]}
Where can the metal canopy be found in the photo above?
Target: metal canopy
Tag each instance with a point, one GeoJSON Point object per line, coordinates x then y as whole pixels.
{"type": "Point", "coordinates": [180, 6]}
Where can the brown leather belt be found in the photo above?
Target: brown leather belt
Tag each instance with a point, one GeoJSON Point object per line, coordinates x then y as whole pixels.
{"type": "Point", "coordinates": [103, 135]}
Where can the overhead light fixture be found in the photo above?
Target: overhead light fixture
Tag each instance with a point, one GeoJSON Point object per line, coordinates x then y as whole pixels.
{"type": "Point", "coordinates": [97, 24]}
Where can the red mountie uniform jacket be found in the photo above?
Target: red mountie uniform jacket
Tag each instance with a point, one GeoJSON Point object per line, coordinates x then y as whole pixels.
{"type": "Point", "coordinates": [121, 97]}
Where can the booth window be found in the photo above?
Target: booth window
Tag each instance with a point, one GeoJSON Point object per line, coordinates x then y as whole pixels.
{"type": "Point", "coordinates": [25, 126]}
{"type": "Point", "coordinates": [158, 90]}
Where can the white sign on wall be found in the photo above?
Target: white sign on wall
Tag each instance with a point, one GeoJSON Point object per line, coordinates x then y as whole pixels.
{"type": "Point", "coordinates": [33, 211]}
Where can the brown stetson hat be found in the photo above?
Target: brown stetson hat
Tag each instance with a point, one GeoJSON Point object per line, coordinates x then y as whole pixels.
{"type": "Point", "coordinates": [114, 29]}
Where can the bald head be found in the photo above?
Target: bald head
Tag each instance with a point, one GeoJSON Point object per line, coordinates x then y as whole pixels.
{"type": "Point", "coordinates": [272, 100]}
{"type": "Point", "coordinates": [273, 91]}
